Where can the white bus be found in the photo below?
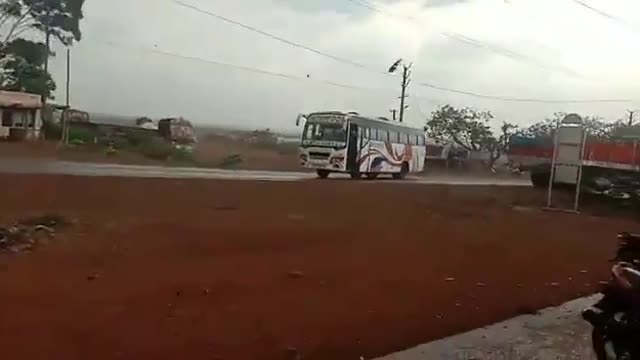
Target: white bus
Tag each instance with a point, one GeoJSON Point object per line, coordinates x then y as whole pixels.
{"type": "Point", "coordinates": [339, 142]}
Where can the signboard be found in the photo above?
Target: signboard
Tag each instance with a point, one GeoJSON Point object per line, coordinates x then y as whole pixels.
{"type": "Point", "coordinates": [328, 119]}
{"type": "Point", "coordinates": [72, 115]}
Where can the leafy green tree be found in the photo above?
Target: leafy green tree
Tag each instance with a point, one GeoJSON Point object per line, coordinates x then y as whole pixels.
{"type": "Point", "coordinates": [25, 63]}
{"type": "Point", "coordinates": [20, 75]}
{"type": "Point", "coordinates": [595, 126]}
{"type": "Point", "coordinates": [470, 129]}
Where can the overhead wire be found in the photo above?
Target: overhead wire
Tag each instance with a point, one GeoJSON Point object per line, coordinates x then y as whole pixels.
{"type": "Point", "coordinates": [474, 42]}
{"type": "Point", "coordinates": [353, 63]}
{"type": "Point", "coordinates": [608, 16]}
{"type": "Point", "coordinates": [597, 11]}
{"type": "Point", "coordinates": [272, 36]}
{"type": "Point", "coordinates": [245, 68]}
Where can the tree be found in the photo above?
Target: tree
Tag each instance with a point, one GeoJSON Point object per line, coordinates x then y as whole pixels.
{"type": "Point", "coordinates": [22, 68]}
{"type": "Point", "coordinates": [20, 75]}
{"type": "Point", "coordinates": [595, 127]}
{"type": "Point", "coordinates": [466, 127]}
{"type": "Point", "coordinates": [25, 63]}
{"type": "Point", "coordinates": [498, 147]}
{"type": "Point", "coordinates": [57, 18]}
{"type": "Point", "coordinates": [34, 53]}
{"type": "Point", "coordinates": [470, 129]}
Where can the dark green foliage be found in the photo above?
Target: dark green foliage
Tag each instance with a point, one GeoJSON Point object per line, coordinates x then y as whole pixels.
{"type": "Point", "coordinates": [231, 161]}
{"type": "Point", "coordinates": [156, 149]}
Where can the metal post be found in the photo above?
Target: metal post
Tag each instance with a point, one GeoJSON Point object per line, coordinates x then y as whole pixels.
{"type": "Point", "coordinates": [579, 183]}
{"type": "Point", "coordinates": [553, 164]}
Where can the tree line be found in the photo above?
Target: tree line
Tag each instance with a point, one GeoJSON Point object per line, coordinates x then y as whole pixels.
{"type": "Point", "coordinates": [24, 62]}
{"type": "Point", "coordinates": [471, 129]}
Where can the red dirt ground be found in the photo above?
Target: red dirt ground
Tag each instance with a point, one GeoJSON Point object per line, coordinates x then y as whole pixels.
{"type": "Point", "coordinates": [174, 269]}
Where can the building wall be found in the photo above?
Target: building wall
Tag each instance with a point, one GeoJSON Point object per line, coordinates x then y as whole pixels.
{"type": "Point", "coordinates": [28, 119]}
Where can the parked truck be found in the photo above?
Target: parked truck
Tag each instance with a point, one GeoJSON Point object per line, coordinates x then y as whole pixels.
{"type": "Point", "coordinates": [609, 166]}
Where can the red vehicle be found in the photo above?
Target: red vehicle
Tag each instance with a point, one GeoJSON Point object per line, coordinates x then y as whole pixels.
{"type": "Point", "coordinates": [610, 167]}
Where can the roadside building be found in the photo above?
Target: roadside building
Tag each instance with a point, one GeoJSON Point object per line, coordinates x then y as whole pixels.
{"type": "Point", "coordinates": [20, 113]}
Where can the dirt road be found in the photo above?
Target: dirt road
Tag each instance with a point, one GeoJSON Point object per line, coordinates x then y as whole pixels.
{"type": "Point", "coordinates": [202, 269]}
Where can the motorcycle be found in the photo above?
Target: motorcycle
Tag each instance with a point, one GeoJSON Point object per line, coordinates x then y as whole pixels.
{"type": "Point", "coordinates": [616, 317]}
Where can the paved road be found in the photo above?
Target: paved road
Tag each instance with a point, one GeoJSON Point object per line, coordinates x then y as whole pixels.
{"type": "Point", "coordinates": [555, 333]}
{"type": "Point", "coordinates": [28, 166]}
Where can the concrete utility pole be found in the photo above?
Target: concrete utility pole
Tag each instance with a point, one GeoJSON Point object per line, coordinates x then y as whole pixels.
{"type": "Point", "coordinates": [631, 116]}
{"type": "Point", "coordinates": [68, 73]}
{"type": "Point", "coordinates": [406, 80]}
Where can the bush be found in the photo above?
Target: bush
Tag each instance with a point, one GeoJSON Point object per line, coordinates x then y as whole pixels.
{"type": "Point", "coordinates": [137, 138]}
{"type": "Point", "coordinates": [77, 142]}
{"type": "Point", "coordinates": [77, 135]}
{"type": "Point", "coordinates": [51, 130]}
{"type": "Point", "coordinates": [182, 155]}
{"type": "Point", "coordinates": [157, 149]}
{"type": "Point", "coordinates": [231, 161]}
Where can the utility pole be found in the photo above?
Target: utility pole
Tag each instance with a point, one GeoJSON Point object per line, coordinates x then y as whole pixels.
{"type": "Point", "coordinates": [68, 73]}
{"type": "Point", "coordinates": [65, 115]}
{"type": "Point", "coordinates": [393, 113]}
{"type": "Point", "coordinates": [406, 80]}
{"type": "Point", "coordinates": [630, 116]}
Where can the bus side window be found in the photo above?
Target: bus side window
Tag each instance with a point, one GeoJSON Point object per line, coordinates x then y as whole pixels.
{"type": "Point", "coordinates": [394, 137]}
{"type": "Point", "coordinates": [421, 141]}
{"type": "Point", "coordinates": [384, 135]}
{"type": "Point", "coordinates": [405, 139]}
{"type": "Point", "coordinates": [367, 133]}
{"type": "Point", "coordinates": [413, 139]}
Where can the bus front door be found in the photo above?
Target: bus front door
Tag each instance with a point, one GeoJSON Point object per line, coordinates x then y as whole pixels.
{"type": "Point", "coordinates": [352, 150]}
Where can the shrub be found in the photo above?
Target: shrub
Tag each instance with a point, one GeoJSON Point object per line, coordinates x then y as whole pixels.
{"type": "Point", "coordinates": [182, 155]}
{"type": "Point", "coordinates": [137, 138]}
{"type": "Point", "coordinates": [231, 161]}
{"type": "Point", "coordinates": [157, 149]}
{"type": "Point", "coordinates": [80, 135]}
{"type": "Point", "coordinates": [52, 131]}
{"type": "Point", "coordinates": [77, 142]}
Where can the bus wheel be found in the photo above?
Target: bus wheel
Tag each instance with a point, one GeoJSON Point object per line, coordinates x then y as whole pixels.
{"type": "Point", "coordinates": [323, 174]}
{"type": "Point", "coordinates": [372, 176]}
{"type": "Point", "coordinates": [403, 172]}
{"type": "Point", "coordinates": [355, 175]}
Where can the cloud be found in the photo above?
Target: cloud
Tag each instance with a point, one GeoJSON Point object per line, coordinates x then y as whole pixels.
{"type": "Point", "coordinates": [114, 68]}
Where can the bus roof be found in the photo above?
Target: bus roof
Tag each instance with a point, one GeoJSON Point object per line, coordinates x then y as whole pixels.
{"type": "Point", "coordinates": [379, 122]}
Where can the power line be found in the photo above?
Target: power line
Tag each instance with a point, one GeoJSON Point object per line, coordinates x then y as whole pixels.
{"type": "Point", "coordinates": [533, 100]}
{"type": "Point", "coordinates": [264, 33]}
{"type": "Point", "coordinates": [347, 86]}
{"type": "Point", "coordinates": [477, 43]}
{"type": "Point", "coordinates": [616, 19]}
{"type": "Point", "coordinates": [244, 68]}
{"type": "Point", "coordinates": [597, 11]}
{"type": "Point", "coordinates": [274, 37]}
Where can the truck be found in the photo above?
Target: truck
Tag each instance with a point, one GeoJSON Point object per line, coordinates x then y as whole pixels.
{"type": "Point", "coordinates": [608, 166]}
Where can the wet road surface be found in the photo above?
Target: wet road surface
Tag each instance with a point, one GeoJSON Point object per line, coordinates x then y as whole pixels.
{"type": "Point", "coordinates": [28, 166]}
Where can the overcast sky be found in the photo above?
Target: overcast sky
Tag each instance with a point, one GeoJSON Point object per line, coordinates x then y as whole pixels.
{"type": "Point", "coordinates": [566, 51]}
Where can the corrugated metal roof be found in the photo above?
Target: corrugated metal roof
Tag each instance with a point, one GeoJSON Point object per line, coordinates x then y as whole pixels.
{"type": "Point", "coordinates": [19, 99]}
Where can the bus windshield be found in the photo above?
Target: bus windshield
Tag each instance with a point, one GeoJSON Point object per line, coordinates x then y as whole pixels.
{"type": "Point", "coordinates": [335, 132]}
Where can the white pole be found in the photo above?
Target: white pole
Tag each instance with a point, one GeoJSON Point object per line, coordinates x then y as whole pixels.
{"type": "Point", "coordinates": [553, 164]}
{"type": "Point", "coordinates": [579, 184]}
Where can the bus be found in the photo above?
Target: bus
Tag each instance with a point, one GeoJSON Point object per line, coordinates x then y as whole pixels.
{"type": "Point", "coordinates": [346, 142]}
